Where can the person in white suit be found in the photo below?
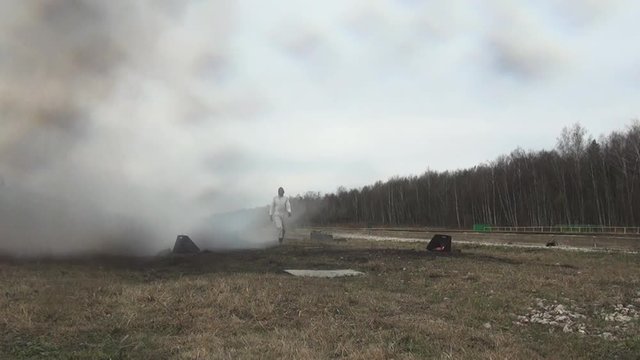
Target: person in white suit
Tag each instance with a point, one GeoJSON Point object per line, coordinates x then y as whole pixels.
{"type": "Point", "coordinates": [280, 206]}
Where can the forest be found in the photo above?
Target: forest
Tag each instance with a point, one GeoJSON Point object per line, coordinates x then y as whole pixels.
{"type": "Point", "coordinates": [581, 181]}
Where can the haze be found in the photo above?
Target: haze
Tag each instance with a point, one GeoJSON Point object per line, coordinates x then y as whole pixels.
{"type": "Point", "coordinates": [122, 121]}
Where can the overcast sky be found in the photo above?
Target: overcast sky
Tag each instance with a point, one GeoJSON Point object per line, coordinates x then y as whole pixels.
{"type": "Point", "coordinates": [224, 101]}
{"type": "Point", "coordinates": [350, 92]}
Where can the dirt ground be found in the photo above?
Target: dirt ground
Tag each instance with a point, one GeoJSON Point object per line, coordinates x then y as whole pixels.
{"type": "Point", "coordinates": [478, 302]}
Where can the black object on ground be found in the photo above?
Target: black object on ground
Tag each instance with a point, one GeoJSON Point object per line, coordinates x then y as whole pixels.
{"type": "Point", "coordinates": [184, 245]}
{"type": "Point", "coordinates": [552, 243]}
{"type": "Point", "coordinates": [319, 235]}
{"type": "Point", "coordinates": [441, 243]}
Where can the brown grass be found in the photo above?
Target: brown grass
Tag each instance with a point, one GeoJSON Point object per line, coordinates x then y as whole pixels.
{"type": "Point", "coordinates": [410, 304]}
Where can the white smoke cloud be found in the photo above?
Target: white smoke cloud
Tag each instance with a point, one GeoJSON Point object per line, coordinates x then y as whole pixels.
{"type": "Point", "coordinates": [109, 119]}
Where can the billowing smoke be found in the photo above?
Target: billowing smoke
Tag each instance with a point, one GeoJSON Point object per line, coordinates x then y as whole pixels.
{"type": "Point", "coordinates": [109, 112]}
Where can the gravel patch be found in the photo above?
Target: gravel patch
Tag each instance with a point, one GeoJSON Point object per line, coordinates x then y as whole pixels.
{"type": "Point", "coordinates": [619, 320]}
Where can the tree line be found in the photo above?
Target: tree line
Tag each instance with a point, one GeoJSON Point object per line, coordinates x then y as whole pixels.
{"type": "Point", "coordinates": [581, 181]}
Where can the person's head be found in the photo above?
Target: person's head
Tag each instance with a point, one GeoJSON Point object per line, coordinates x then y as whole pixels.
{"type": "Point", "coordinates": [280, 191]}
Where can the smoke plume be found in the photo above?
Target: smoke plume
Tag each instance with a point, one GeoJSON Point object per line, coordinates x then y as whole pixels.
{"type": "Point", "coordinates": [108, 123]}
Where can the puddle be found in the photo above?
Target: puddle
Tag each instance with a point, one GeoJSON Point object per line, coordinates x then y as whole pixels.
{"type": "Point", "coordinates": [324, 273]}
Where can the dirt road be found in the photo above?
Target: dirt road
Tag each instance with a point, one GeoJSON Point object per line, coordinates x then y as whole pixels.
{"type": "Point", "coordinates": [580, 242]}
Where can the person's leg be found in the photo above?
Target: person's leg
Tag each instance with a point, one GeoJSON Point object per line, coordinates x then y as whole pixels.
{"type": "Point", "coordinates": [279, 225]}
{"type": "Point", "coordinates": [283, 228]}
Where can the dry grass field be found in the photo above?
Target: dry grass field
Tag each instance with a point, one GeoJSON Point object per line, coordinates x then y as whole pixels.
{"type": "Point", "coordinates": [479, 302]}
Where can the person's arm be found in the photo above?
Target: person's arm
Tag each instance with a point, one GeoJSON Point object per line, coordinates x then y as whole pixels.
{"type": "Point", "coordinates": [288, 205]}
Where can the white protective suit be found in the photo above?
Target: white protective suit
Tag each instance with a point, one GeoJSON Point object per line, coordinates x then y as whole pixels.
{"type": "Point", "coordinates": [280, 207]}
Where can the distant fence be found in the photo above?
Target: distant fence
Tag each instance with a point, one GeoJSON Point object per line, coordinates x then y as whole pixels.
{"type": "Point", "coordinates": [573, 229]}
